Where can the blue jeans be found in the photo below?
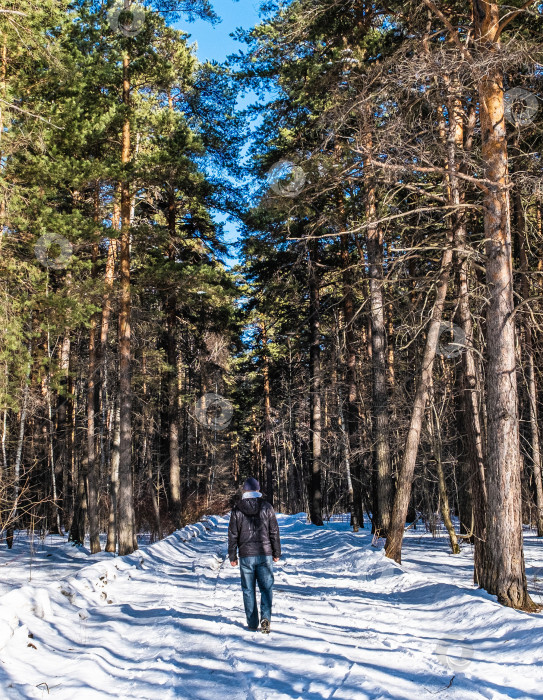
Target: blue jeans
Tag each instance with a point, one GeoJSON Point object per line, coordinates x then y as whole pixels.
{"type": "Point", "coordinates": [256, 569]}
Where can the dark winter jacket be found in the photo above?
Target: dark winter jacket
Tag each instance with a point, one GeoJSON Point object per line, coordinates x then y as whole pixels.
{"type": "Point", "coordinates": [253, 529]}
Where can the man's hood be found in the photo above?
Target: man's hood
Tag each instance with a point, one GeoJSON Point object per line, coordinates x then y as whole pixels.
{"type": "Point", "coordinates": [250, 506]}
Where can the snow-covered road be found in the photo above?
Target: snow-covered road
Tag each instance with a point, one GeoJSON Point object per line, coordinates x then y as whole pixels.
{"type": "Point", "coordinates": [168, 622]}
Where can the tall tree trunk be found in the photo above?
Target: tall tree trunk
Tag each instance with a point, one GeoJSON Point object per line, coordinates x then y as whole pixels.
{"type": "Point", "coordinates": [173, 414]}
{"type": "Point", "coordinates": [126, 497]}
{"type": "Point", "coordinates": [112, 537]}
{"type": "Point", "coordinates": [528, 352]}
{"type": "Point", "coordinates": [92, 466]}
{"type": "Point", "coordinates": [393, 547]}
{"type": "Point", "coordinates": [460, 140]}
{"type": "Point", "coordinates": [92, 476]}
{"type": "Point", "coordinates": [152, 489]}
{"type": "Point", "coordinates": [471, 391]}
{"type": "Point", "coordinates": [534, 430]}
{"type": "Point", "coordinates": [390, 346]}
{"type": "Point", "coordinates": [504, 572]}
{"type": "Point", "coordinates": [79, 521]}
{"type": "Point", "coordinates": [4, 468]}
{"type": "Point", "coordinates": [49, 435]}
{"type": "Point", "coordinates": [12, 518]}
{"type": "Point", "coordinates": [350, 425]}
{"type": "Point", "coordinates": [70, 441]}
{"type": "Point", "coordinates": [346, 454]}
{"type": "Point", "coordinates": [77, 529]}
{"type": "Point", "coordinates": [315, 426]}
{"type": "Point", "coordinates": [62, 428]}
{"type": "Point", "coordinates": [267, 446]}
{"type": "Point", "coordinates": [173, 378]}
{"type": "Point", "coordinates": [50, 441]}
{"type": "Point", "coordinates": [3, 89]}
{"type": "Point", "coordinates": [109, 279]}
{"type": "Point", "coordinates": [383, 471]}
{"type": "Point", "coordinates": [344, 432]}
{"type": "Point", "coordinates": [101, 359]}
{"type": "Point", "coordinates": [434, 428]}
{"type": "Point", "coordinates": [146, 452]}
{"type": "Point", "coordinates": [20, 441]}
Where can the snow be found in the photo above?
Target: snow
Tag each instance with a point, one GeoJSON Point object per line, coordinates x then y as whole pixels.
{"type": "Point", "coordinates": [34, 559]}
{"type": "Point", "coordinates": [168, 622]}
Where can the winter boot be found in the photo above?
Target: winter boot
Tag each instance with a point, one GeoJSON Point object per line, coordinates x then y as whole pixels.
{"type": "Point", "coordinates": [265, 626]}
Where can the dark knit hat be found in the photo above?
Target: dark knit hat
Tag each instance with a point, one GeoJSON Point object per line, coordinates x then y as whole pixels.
{"type": "Point", "coordinates": [251, 484]}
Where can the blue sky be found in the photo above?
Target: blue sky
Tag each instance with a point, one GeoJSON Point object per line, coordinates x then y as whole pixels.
{"type": "Point", "coordinates": [215, 43]}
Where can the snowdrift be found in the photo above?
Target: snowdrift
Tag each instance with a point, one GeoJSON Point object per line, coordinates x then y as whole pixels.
{"type": "Point", "coordinates": [167, 622]}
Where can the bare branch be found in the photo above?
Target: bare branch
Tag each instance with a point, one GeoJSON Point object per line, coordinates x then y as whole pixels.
{"type": "Point", "coordinates": [31, 114]}
{"type": "Point", "coordinates": [480, 182]}
{"type": "Point", "coordinates": [513, 15]}
{"type": "Point", "coordinates": [386, 219]}
{"type": "Point", "coordinates": [454, 32]}
{"type": "Point", "coordinates": [13, 12]}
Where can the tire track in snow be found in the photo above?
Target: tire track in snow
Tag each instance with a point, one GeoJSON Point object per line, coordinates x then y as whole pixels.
{"type": "Point", "coordinates": [343, 681]}
{"type": "Point", "coordinates": [226, 650]}
{"type": "Point", "coordinates": [345, 627]}
{"type": "Point", "coordinates": [340, 640]}
{"type": "Point", "coordinates": [298, 588]}
{"type": "Point", "coordinates": [296, 579]}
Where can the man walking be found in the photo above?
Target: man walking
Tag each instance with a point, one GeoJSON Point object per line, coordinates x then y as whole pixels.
{"type": "Point", "coordinates": [253, 529]}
